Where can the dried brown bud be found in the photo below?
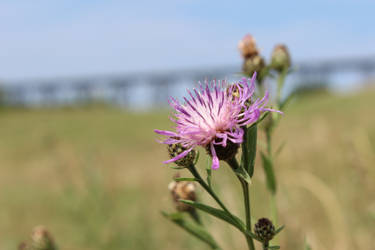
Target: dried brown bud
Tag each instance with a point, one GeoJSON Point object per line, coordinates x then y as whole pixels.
{"type": "Point", "coordinates": [176, 149]}
{"type": "Point", "coordinates": [280, 59]}
{"type": "Point", "coordinates": [182, 190]}
{"type": "Point", "coordinates": [247, 46]}
{"type": "Point", "coordinates": [41, 239]}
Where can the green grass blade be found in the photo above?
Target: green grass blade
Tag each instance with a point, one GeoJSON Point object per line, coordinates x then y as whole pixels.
{"type": "Point", "coordinates": [270, 175]}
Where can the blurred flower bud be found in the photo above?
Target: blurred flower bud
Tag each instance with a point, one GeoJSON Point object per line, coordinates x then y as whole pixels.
{"type": "Point", "coordinates": [23, 246]}
{"type": "Point", "coordinates": [182, 190]}
{"type": "Point", "coordinates": [247, 46]}
{"type": "Point", "coordinates": [176, 149]}
{"type": "Point", "coordinates": [264, 229]}
{"type": "Point", "coordinates": [253, 64]}
{"type": "Point", "coordinates": [280, 59]}
{"type": "Point", "coordinates": [41, 239]}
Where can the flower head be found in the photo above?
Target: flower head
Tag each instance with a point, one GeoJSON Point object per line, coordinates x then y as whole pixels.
{"type": "Point", "coordinates": [213, 117]}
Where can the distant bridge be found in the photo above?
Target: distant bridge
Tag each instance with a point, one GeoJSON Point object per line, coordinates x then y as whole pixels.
{"type": "Point", "coordinates": [154, 88]}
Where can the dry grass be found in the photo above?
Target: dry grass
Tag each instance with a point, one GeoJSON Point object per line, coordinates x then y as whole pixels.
{"type": "Point", "coordinates": [94, 177]}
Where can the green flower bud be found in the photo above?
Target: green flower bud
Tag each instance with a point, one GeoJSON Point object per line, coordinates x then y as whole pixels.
{"type": "Point", "coordinates": [176, 149]}
{"type": "Point", "coordinates": [253, 64]}
{"type": "Point", "coordinates": [264, 229]}
{"type": "Point", "coordinates": [280, 59]}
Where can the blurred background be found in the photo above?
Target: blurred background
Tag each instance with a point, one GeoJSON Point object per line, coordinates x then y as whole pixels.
{"type": "Point", "coordinates": [84, 83]}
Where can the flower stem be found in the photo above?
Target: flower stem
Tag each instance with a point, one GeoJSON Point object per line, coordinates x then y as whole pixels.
{"type": "Point", "coordinates": [265, 245]}
{"type": "Point", "coordinates": [280, 84]}
{"type": "Point", "coordinates": [274, 214]}
{"type": "Point", "coordinates": [195, 216]}
{"type": "Point", "coordinates": [246, 194]}
{"type": "Point", "coordinates": [245, 188]}
{"type": "Point", "coordinates": [273, 206]}
{"type": "Point", "coordinates": [197, 176]}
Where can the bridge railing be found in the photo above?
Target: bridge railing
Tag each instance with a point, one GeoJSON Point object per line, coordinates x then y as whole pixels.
{"type": "Point", "coordinates": [147, 90]}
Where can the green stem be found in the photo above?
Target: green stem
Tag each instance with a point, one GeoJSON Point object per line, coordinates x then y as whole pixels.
{"type": "Point", "coordinates": [265, 245]}
{"type": "Point", "coordinates": [197, 176]}
{"type": "Point", "coordinates": [274, 214]}
{"type": "Point", "coordinates": [246, 194]}
{"type": "Point", "coordinates": [245, 188]}
{"type": "Point", "coordinates": [273, 206]}
{"type": "Point", "coordinates": [269, 141]}
{"type": "Point", "coordinates": [280, 84]}
{"type": "Point", "coordinates": [195, 216]}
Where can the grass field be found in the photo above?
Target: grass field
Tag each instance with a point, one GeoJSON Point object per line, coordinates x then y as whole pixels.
{"type": "Point", "coordinates": [94, 177]}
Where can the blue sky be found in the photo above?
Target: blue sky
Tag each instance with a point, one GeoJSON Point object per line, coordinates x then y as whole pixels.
{"type": "Point", "coordinates": [47, 38]}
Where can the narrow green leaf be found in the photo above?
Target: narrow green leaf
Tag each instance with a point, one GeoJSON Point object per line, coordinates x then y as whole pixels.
{"type": "Point", "coordinates": [176, 167]}
{"type": "Point", "coordinates": [209, 172]}
{"type": "Point", "coordinates": [252, 235]}
{"type": "Point", "coordinates": [286, 100]}
{"type": "Point", "coordinates": [185, 179]}
{"type": "Point", "coordinates": [242, 173]}
{"type": "Point", "coordinates": [265, 114]}
{"type": "Point", "coordinates": [270, 175]}
{"type": "Point", "coordinates": [279, 229]}
{"type": "Point", "coordinates": [280, 148]}
{"type": "Point", "coordinates": [273, 247]}
{"type": "Point", "coordinates": [196, 158]}
{"type": "Point", "coordinates": [249, 147]}
{"type": "Point", "coordinates": [218, 213]}
{"type": "Point", "coordinates": [192, 228]}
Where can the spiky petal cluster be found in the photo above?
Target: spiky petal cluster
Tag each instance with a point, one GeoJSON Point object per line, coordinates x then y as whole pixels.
{"type": "Point", "coordinates": [212, 115]}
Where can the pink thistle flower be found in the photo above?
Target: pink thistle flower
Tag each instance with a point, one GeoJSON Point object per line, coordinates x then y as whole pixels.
{"type": "Point", "coordinates": [213, 116]}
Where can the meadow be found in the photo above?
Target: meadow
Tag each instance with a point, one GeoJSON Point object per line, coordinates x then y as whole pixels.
{"type": "Point", "coordinates": [93, 176]}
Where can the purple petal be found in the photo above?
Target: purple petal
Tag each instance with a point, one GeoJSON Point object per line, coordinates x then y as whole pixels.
{"type": "Point", "coordinates": [273, 110]}
{"type": "Point", "coordinates": [253, 78]}
{"type": "Point", "coordinates": [164, 132]}
{"type": "Point", "coordinates": [215, 159]}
